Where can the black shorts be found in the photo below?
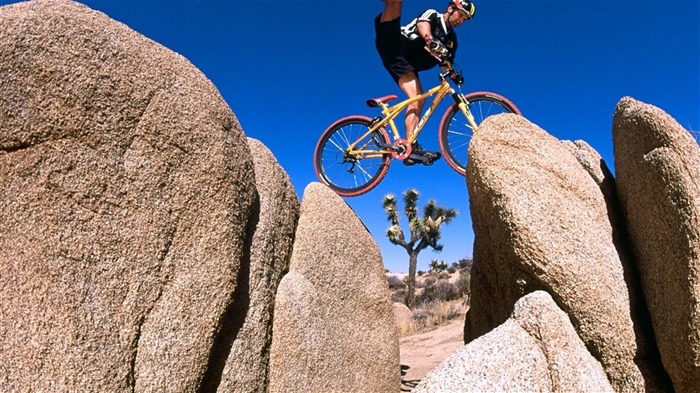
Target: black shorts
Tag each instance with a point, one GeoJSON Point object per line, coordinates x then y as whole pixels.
{"type": "Point", "coordinates": [390, 45]}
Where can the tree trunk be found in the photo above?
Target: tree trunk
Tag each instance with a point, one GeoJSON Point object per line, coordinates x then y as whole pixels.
{"type": "Point", "coordinates": [411, 292]}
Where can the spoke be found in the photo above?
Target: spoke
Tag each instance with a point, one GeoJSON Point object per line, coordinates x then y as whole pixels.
{"type": "Point", "coordinates": [356, 172]}
{"type": "Point", "coordinates": [342, 135]}
{"type": "Point", "coordinates": [460, 145]}
{"type": "Point", "coordinates": [481, 111]}
{"type": "Point", "coordinates": [336, 145]}
{"type": "Point", "coordinates": [456, 132]}
{"type": "Point", "coordinates": [362, 169]}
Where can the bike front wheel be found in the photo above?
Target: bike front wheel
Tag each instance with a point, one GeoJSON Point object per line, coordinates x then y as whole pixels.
{"type": "Point", "coordinates": [455, 132]}
{"type": "Point", "coordinates": [351, 174]}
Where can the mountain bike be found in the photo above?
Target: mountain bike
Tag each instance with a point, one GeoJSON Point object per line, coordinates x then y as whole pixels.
{"type": "Point", "coordinates": [353, 154]}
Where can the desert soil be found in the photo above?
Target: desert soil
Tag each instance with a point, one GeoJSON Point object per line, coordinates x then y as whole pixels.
{"type": "Point", "coordinates": [422, 352]}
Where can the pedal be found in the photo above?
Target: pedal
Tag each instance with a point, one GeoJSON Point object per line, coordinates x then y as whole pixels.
{"type": "Point", "coordinates": [409, 162]}
{"type": "Point", "coordinates": [417, 158]}
{"type": "Point", "coordinates": [431, 158]}
{"type": "Point", "coordinates": [426, 158]}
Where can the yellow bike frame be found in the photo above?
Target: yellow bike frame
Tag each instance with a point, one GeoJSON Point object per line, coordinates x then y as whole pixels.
{"type": "Point", "coordinates": [391, 112]}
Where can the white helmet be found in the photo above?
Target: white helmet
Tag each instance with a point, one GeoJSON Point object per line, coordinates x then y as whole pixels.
{"type": "Point", "coordinates": [465, 6]}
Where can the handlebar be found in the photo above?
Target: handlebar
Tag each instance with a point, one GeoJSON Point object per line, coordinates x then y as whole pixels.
{"type": "Point", "coordinates": [451, 73]}
{"type": "Point", "coordinates": [440, 53]}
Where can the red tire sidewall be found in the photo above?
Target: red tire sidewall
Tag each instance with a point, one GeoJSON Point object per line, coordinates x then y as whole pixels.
{"type": "Point", "coordinates": [332, 128]}
{"type": "Point", "coordinates": [454, 107]}
{"type": "Point", "coordinates": [443, 148]}
{"type": "Point", "coordinates": [496, 96]}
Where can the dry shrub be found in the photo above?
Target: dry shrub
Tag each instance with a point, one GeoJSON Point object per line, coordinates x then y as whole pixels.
{"type": "Point", "coordinates": [394, 282]}
{"type": "Point", "coordinates": [441, 290]}
{"type": "Point", "coordinates": [430, 315]}
{"type": "Point", "coordinates": [409, 327]}
{"type": "Point", "coordinates": [442, 275]}
{"type": "Point", "coordinates": [426, 282]}
{"type": "Point", "coordinates": [463, 283]}
{"type": "Point", "coordinates": [398, 296]}
{"type": "Point", "coordinates": [437, 301]}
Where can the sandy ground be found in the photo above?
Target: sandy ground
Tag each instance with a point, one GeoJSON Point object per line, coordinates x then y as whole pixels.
{"type": "Point", "coordinates": [422, 352]}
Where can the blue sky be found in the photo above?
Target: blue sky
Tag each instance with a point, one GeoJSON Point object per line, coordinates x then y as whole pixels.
{"type": "Point", "coordinates": [289, 68]}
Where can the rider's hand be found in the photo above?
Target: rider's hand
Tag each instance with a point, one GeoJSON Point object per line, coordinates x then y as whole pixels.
{"type": "Point", "coordinates": [437, 48]}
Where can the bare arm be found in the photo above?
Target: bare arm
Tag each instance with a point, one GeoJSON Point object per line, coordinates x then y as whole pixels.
{"type": "Point", "coordinates": [425, 31]}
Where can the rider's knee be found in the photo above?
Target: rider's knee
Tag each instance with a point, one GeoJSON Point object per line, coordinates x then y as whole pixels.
{"type": "Point", "coordinates": [416, 105]}
{"type": "Point", "coordinates": [392, 10]}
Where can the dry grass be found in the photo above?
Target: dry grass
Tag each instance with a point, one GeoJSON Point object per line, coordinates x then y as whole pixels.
{"type": "Point", "coordinates": [431, 315]}
{"type": "Point", "coordinates": [440, 298]}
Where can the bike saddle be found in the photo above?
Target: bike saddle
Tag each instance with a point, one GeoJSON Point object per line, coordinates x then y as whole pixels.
{"type": "Point", "coordinates": [374, 102]}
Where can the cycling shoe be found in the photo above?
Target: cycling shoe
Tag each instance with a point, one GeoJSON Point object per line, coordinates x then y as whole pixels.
{"type": "Point", "coordinates": [419, 155]}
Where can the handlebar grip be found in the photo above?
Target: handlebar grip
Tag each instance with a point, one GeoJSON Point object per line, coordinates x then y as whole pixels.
{"type": "Point", "coordinates": [457, 78]}
{"type": "Point", "coordinates": [438, 49]}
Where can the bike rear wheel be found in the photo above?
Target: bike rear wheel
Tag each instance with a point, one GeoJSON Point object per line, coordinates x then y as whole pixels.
{"type": "Point", "coordinates": [455, 132]}
{"type": "Point", "coordinates": [351, 175]}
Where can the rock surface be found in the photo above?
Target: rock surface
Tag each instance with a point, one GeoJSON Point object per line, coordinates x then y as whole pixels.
{"type": "Point", "coordinates": [247, 366]}
{"type": "Point", "coordinates": [402, 316]}
{"type": "Point", "coordinates": [127, 189]}
{"type": "Point", "coordinates": [535, 350]}
{"type": "Point", "coordinates": [657, 163]}
{"type": "Point", "coordinates": [333, 327]}
{"type": "Point", "coordinates": [142, 244]}
{"type": "Point", "coordinates": [541, 223]}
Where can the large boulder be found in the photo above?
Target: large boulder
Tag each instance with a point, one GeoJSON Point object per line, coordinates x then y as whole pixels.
{"type": "Point", "coordinates": [541, 223]}
{"type": "Point", "coordinates": [657, 163]}
{"type": "Point", "coordinates": [535, 350]}
{"type": "Point", "coordinates": [403, 317]}
{"type": "Point", "coordinates": [596, 167]}
{"type": "Point", "coordinates": [127, 192]}
{"type": "Point", "coordinates": [270, 253]}
{"type": "Point", "coordinates": [333, 326]}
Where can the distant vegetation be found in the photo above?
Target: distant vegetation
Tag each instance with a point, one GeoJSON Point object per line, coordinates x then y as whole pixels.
{"type": "Point", "coordinates": [423, 232]}
{"type": "Point", "coordinates": [442, 294]}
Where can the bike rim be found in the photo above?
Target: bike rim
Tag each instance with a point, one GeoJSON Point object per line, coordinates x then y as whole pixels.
{"type": "Point", "coordinates": [350, 176]}
{"type": "Point", "coordinates": [459, 132]}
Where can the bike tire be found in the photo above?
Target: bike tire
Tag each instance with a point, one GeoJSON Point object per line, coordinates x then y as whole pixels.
{"type": "Point", "coordinates": [350, 176]}
{"type": "Point", "coordinates": [455, 132]}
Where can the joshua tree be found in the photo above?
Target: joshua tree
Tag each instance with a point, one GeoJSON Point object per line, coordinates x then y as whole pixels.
{"type": "Point", "coordinates": [437, 266]}
{"type": "Point", "coordinates": [425, 231]}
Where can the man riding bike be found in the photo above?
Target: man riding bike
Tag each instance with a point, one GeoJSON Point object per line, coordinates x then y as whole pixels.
{"type": "Point", "coordinates": [403, 53]}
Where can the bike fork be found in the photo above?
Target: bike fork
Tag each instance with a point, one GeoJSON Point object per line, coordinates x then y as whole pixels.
{"type": "Point", "coordinates": [463, 105]}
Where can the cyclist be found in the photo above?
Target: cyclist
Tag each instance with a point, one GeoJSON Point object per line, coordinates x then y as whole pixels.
{"type": "Point", "coordinates": [403, 53]}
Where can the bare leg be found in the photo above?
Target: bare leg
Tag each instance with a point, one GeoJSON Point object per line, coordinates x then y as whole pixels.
{"type": "Point", "coordinates": [410, 84]}
{"type": "Point", "coordinates": [392, 10]}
